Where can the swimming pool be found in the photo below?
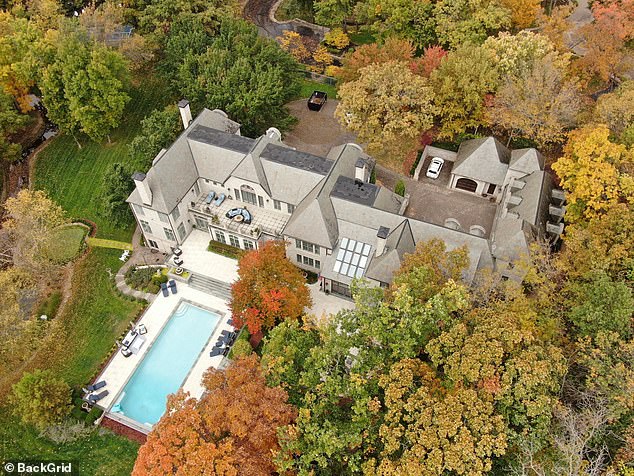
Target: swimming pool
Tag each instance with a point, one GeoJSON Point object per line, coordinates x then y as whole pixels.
{"type": "Point", "coordinates": [167, 364]}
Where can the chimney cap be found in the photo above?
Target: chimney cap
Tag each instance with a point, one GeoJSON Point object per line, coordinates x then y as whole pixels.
{"type": "Point", "coordinates": [183, 103]}
{"type": "Point", "coordinates": [139, 176]}
{"type": "Point", "coordinates": [383, 232]}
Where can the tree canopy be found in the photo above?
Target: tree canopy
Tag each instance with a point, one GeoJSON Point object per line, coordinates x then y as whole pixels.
{"type": "Point", "coordinates": [269, 289]}
{"type": "Point", "coordinates": [231, 430]}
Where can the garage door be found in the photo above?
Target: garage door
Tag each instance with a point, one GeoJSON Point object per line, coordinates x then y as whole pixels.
{"type": "Point", "coordinates": [467, 184]}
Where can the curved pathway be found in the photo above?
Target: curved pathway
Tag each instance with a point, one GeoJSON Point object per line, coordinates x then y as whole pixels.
{"type": "Point", "coordinates": [262, 14]}
{"type": "Point", "coordinates": [141, 255]}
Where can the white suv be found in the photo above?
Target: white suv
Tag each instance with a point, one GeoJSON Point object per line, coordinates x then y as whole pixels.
{"type": "Point", "coordinates": [435, 166]}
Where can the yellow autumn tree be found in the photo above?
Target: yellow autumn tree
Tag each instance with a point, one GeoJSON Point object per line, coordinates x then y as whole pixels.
{"type": "Point", "coordinates": [388, 106]}
{"type": "Point", "coordinates": [291, 42]}
{"type": "Point", "coordinates": [595, 172]}
{"type": "Point", "coordinates": [337, 38]}
{"type": "Point", "coordinates": [322, 59]}
{"type": "Point", "coordinates": [523, 12]}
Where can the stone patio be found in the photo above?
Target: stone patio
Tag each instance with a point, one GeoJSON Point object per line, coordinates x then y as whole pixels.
{"type": "Point", "coordinates": [197, 259]}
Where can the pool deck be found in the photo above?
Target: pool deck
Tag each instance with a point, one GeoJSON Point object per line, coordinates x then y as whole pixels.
{"type": "Point", "coordinates": [120, 369]}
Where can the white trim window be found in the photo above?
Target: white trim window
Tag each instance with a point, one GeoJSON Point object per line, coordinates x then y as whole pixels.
{"type": "Point", "coordinates": [145, 226]}
{"type": "Point", "coordinates": [176, 213]}
{"type": "Point", "coordinates": [169, 234]}
{"type": "Point", "coordinates": [138, 209]}
{"type": "Point", "coordinates": [248, 244]}
{"type": "Point", "coordinates": [181, 231]}
{"type": "Point", "coordinates": [234, 241]}
{"type": "Point", "coordinates": [220, 237]}
{"type": "Point", "coordinates": [163, 217]}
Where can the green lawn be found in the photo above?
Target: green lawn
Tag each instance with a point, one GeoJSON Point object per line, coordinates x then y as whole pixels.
{"type": "Point", "coordinates": [73, 177]}
{"type": "Point", "coordinates": [66, 243]}
{"type": "Point", "coordinates": [94, 317]}
{"type": "Point", "coordinates": [100, 454]}
{"type": "Point", "coordinates": [309, 86]}
{"type": "Point", "coordinates": [90, 323]}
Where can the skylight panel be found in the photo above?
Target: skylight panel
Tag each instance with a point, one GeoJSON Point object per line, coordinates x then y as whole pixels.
{"type": "Point", "coordinates": [352, 258]}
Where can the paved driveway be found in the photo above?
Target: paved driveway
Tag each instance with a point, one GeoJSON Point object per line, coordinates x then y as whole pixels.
{"type": "Point", "coordinates": [316, 132]}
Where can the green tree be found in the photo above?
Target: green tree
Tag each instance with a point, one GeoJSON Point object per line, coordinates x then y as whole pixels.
{"type": "Point", "coordinates": [158, 131]}
{"type": "Point", "coordinates": [249, 77]}
{"type": "Point", "coordinates": [117, 186]}
{"type": "Point", "coordinates": [98, 98]}
{"type": "Point", "coordinates": [284, 355]}
{"type": "Point", "coordinates": [462, 21]}
{"type": "Point", "coordinates": [460, 84]}
{"type": "Point", "coordinates": [84, 89]}
{"type": "Point", "coordinates": [413, 21]}
{"type": "Point", "coordinates": [601, 304]}
{"type": "Point", "coordinates": [41, 399]}
{"type": "Point", "coordinates": [387, 107]}
{"type": "Point", "coordinates": [399, 188]}
{"type": "Point", "coordinates": [333, 12]}
{"type": "Point", "coordinates": [10, 122]}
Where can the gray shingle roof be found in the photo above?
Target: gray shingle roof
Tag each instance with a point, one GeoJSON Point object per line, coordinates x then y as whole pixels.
{"type": "Point", "coordinates": [526, 160]}
{"type": "Point", "coordinates": [482, 159]}
{"type": "Point", "coordinates": [297, 159]}
{"type": "Point", "coordinates": [218, 138]}
{"type": "Point", "coordinates": [350, 189]}
{"type": "Point", "coordinates": [399, 243]}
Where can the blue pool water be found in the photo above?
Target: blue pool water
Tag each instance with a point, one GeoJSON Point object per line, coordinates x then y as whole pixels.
{"type": "Point", "coordinates": [167, 363]}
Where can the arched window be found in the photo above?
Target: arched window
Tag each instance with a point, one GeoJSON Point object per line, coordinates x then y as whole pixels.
{"type": "Point", "coordinates": [467, 184]}
{"type": "Point", "coordinates": [248, 194]}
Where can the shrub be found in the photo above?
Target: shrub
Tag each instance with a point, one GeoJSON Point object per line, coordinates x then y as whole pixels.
{"type": "Point", "coordinates": [140, 278]}
{"type": "Point", "coordinates": [224, 249]}
{"type": "Point", "coordinates": [159, 279]}
{"type": "Point", "coordinates": [337, 38]}
{"type": "Point", "coordinates": [373, 176]}
{"type": "Point", "coordinates": [399, 188]}
{"type": "Point", "coordinates": [241, 348]}
{"type": "Point", "coordinates": [41, 399]}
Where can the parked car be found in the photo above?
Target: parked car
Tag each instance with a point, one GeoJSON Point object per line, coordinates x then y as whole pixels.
{"type": "Point", "coordinates": [317, 100]}
{"type": "Point", "coordinates": [435, 166]}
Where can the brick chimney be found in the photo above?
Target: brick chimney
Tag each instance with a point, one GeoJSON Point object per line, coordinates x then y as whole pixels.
{"type": "Point", "coordinates": [186, 113]}
{"type": "Point", "coordinates": [142, 185]}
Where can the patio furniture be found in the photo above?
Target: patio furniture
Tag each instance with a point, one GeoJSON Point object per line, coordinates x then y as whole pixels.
{"type": "Point", "coordinates": [178, 261]}
{"type": "Point", "coordinates": [172, 286]}
{"type": "Point", "coordinates": [95, 397]}
{"type": "Point", "coordinates": [141, 329]}
{"type": "Point", "coordinates": [128, 339]}
{"type": "Point", "coordinates": [125, 255]}
{"type": "Point", "coordinates": [126, 352]}
{"type": "Point", "coordinates": [96, 386]}
{"type": "Point", "coordinates": [86, 407]}
{"type": "Point", "coordinates": [216, 351]}
{"type": "Point", "coordinates": [165, 290]}
{"type": "Point", "coordinates": [210, 197]}
{"type": "Point", "coordinates": [238, 218]}
{"type": "Point", "coordinates": [135, 347]}
{"type": "Point", "coordinates": [177, 251]}
{"type": "Point", "coordinates": [179, 271]}
{"type": "Point", "coordinates": [218, 201]}
{"type": "Point", "coordinates": [226, 351]}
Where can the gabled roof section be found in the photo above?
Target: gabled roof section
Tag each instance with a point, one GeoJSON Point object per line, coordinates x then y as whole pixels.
{"type": "Point", "coordinates": [399, 242]}
{"type": "Point", "coordinates": [250, 168]}
{"type": "Point", "coordinates": [218, 138]}
{"type": "Point", "coordinates": [513, 237]}
{"type": "Point", "coordinates": [526, 160]}
{"type": "Point", "coordinates": [535, 198]}
{"type": "Point", "coordinates": [482, 159]}
{"type": "Point", "coordinates": [314, 220]}
{"type": "Point", "coordinates": [297, 159]}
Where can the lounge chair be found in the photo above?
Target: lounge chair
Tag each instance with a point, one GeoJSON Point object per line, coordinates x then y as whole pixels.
{"type": "Point", "coordinates": [225, 332]}
{"type": "Point", "coordinates": [165, 290]}
{"type": "Point", "coordinates": [96, 386]}
{"type": "Point", "coordinates": [95, 397]}
{"type": "Point", "coordinates": [210, 197]}
{"type": "Point", "coordinates": [216, 351]}
{"type": "Point", "coordinates": [218, 201]}
{"type": "Point", "coordinates": [172, 286]}
{"type": "Point", "coordinates": [178, 261]}
{"type": "Point", "coordinates": [226, 351]}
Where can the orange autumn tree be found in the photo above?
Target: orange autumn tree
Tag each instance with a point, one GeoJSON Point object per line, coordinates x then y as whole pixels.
{"type": "Point", "coordinates": [231, 430]}
{"type": "Point", "coordinates": [269, 289]}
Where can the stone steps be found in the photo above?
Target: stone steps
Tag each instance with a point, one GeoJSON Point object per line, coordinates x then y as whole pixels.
{"type": "Point", "coordinates": [211, 286]}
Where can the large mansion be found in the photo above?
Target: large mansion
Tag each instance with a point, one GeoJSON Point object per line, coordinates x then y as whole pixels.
{"type": "Point", "coordinates": [336, 222]}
